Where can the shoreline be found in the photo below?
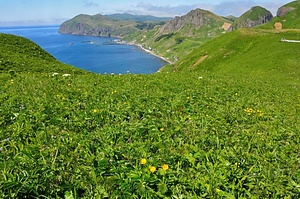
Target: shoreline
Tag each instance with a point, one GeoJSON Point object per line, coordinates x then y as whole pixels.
{"type": "Point", "coordinates": [150, 52]}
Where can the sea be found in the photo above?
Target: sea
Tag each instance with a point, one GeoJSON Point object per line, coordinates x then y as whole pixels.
{"type": "Point", "coordinates": [90, 53]}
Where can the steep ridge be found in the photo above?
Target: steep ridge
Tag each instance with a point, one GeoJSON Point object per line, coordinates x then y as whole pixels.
{"type": "Point", "coordinates": [194, 20]}
{"type": "Point", "coordinates": [253, 17]}
{"type": "Point", "coordinates": [180, 36]}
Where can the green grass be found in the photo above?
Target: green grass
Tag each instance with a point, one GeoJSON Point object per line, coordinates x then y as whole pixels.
{"type": "Point", "coordinates": [222, 135]}
{"type": "Point", "coordinates": [249, 52]}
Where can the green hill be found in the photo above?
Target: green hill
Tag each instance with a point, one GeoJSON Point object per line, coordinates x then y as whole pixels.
{"type": "Point", "coordinates": [288, 15]}
{"type": "Point", "coordinates": [253, 17]}
{"type": "Point", "coordinates": [21, 55]}
{"type": "Point", "coordinates": [226, 127]}
{"type": "Point", "coordinates": [247, 52]}
{"type": "Point", "coordinates": [98, 25]}
{"type": "Point", "coordinates": [138, 18]}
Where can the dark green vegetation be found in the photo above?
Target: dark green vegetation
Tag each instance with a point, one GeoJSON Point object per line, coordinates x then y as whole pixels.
{"type": "Point", "coordinates": [227, 126]}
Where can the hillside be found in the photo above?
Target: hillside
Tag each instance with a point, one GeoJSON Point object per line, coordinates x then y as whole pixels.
{"type": "Point", "coordinates": [224, 130]}
{"type": "Point", "coordinates": [253, 17]}
{"type": "Point", "coordinates": [247, 52]}
{"type": "Point", "coordinates": [288, 16]}
{"type": "Point", "coordinates": [98, 25]}
{"type": "Point", "coordinates": [116, 25]}
{"type": "Point", "coordinates": [138, 18]}
{"type": "Point", "coordinates": [180, 36]}
{"type": "Point", "coordinates": [21, 55]}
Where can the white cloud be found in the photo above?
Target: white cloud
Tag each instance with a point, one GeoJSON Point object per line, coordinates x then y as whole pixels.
{"type": "Point", "coordinates": [225, 8]}
{"type": "Point", "coordinates": [90, 3]}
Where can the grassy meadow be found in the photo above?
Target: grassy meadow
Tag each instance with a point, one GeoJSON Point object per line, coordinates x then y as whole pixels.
{"type": "Point", "coordinates": [67, 133]}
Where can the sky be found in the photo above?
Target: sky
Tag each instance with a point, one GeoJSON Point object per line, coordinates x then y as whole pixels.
{"type": "Point", "coordinates": [54, 12]}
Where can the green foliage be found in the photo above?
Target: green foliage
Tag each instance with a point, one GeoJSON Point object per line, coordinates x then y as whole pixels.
{"type": "Point", "coordinates": [196, 134]}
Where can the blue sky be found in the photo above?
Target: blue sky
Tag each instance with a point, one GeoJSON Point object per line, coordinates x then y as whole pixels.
{"type": "Point", "coordinates": [45, 12]}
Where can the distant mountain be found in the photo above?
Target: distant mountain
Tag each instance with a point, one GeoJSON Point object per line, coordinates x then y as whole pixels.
{"type": "Point", "coordinates": [231, 18]}
{"type": "Point", "coordinates": [139, 18]}
{"type": "Point", "coordinates": [98, 25]}
{"type": "Point", "coordinates": [253, 17]}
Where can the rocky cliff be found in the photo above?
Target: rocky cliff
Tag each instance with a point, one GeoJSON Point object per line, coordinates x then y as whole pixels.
{"type": "Point", "coordinates": [253, 17]}
{"type": "Point", "coordinates": [194, 20]}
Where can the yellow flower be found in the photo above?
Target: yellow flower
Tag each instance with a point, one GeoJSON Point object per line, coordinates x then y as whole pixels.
{"type": "Point", "coordinates": [162, 129]}
{"type": "Point", "coordinates": [95, 110]}
{"type": "Point", "coordinates": [143, 161]}
{"type": "Point", "coordinates": [165, 167]}
{"type": "Point", "coordinates": [152, 169]}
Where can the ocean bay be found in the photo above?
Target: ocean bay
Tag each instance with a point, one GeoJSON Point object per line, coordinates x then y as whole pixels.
{"type": "Point", "coordinates": [90, 53]}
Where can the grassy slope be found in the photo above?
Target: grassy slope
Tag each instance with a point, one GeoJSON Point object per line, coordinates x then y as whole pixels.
{"type": "Point", "coordinates": [84, 135]}
{"type": "Point", "coordinates": [289, 21]}
{"type": "Point", "coordinates": [248, 52]}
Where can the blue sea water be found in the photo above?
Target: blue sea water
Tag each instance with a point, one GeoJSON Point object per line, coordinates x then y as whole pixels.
{"type": "Point", "coordinates": [90, 53]}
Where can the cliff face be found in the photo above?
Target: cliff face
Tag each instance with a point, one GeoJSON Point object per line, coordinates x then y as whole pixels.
{"type": "Point", "coordinates": [193, 20]}
{"type": "Point", "coordinates": [254, 17]}
{"type": "Point", "coordinates": [97, 25]}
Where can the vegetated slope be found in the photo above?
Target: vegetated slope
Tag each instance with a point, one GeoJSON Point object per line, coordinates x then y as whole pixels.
{"type": "Point", "coordinates": [21, 55]}
{"type": "Point", "coordinates": [138, 18]}
{"type": "Point", "coordinates": [167, 135]}
{"type": "Point", "coordinates": [247, 52]}
{"type": "Point", "coordinates": [288, 15]}
{"type": "Point", "coordinates": [181, 35]}
{"type": "Point", "coordinates": [98, 25]}
{"type": "Point", "coordinates": [117, 25]}
{"type": "Point", "coordinates": [253, 17]}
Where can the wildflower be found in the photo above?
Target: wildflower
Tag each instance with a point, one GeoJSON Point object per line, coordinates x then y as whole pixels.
{"type": "Point", "coordinates": [95, 110]}
{"type": "Point", "coordinates": [143, 161]}
{"type": "Point", "coordinates": [54, 74]}
{"type": "Point", "coordinates": [161, 129]}
{"type": "Point", "coordinates": [165, 167]}
{"type": "Point", "coordinates": [66, 75]}
{"type": "Point", "coordinates": [152, 169]}
{"type": "Point", "coordinates": [200, 77]}
{"type": "Point", "coordinates": [63, 98]}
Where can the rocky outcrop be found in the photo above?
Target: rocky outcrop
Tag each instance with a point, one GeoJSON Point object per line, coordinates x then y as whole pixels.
{"type": "Point", "coordinates": [254, 17]}
{"type": "Point", "coordinates": [195, 19]}
{"type": "Point", "coordinates": [284, 10]}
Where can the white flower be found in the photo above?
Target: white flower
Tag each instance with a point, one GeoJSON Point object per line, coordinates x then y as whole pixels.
{"type": "Point", "coordinates": [200, 77]}
{"type": "Point", "coordinates": [66, 75]}
{"type": "Point", "coordinates": [54, 74]}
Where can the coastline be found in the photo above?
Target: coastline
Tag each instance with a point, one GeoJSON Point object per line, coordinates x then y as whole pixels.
{"type": "Point", "coordinates": [150, 52]}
